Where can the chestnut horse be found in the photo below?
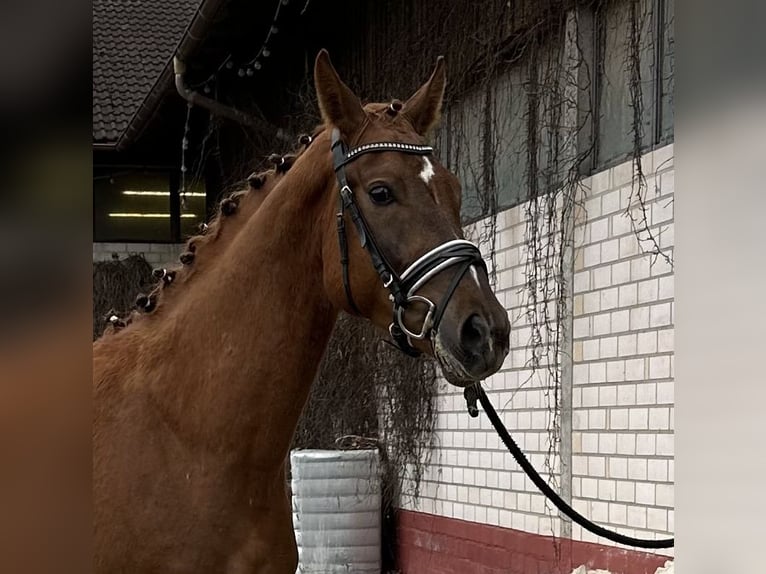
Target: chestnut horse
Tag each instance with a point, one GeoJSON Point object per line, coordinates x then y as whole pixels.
{"type": "Point", "coordinates": [196, 403]}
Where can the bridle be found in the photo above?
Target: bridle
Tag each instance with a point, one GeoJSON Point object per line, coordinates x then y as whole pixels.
{"type": "Point", "coordinates": [403, 288]}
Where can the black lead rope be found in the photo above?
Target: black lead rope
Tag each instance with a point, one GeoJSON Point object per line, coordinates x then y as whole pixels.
{"type": "Point", "coordinates": [476, 392]}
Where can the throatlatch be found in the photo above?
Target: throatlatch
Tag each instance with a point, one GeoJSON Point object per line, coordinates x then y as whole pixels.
{"type": "Point", "coordinates": [403, 288]}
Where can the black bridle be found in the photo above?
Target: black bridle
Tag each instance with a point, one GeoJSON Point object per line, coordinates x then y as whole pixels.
{"type": "Point", "coordinates": [402, 288]}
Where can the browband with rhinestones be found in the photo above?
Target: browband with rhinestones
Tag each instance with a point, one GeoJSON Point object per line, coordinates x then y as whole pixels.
{"type": "Point", "coordinates": [384, 146]}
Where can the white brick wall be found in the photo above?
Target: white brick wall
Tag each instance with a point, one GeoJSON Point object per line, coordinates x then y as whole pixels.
{"type": "Point", "coordinates": [622, 418]}
{"type": "Point", "coordinates": [157, 254]}
{"type": "Point", "coordinates": [636, 398]}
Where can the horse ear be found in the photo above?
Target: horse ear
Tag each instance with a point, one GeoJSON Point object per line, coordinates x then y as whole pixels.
{"type": "Point", "coordinates": [337, 103]}
{"type": "Point", "coordinates": [424, 108]}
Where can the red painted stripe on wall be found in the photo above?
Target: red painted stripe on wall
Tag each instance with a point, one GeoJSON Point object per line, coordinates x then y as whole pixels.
{"type": "Point", "coordinates": [430, 544]}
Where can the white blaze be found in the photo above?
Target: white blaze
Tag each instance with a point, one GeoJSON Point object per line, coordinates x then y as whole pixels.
{"type": "Point", "coordinates": [428, 171]}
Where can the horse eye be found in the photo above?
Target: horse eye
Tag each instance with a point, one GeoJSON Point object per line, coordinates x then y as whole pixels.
{"type": "Point", "coordinates": [381, 195]}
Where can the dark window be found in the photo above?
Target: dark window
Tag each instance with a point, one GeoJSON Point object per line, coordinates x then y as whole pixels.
{"type": "Point", "coordinates": [138, 206]}
{"type": "Point", "coordinates": [614, 131]}
{"type": "Point", "coordinates": [484, 139]}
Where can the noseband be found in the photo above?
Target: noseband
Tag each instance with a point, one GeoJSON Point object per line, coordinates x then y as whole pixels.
{"type": "Point", "coordinates": [403, 288]}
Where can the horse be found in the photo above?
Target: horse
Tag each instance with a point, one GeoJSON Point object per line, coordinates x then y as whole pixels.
{"type": "Point", "coordinates": [196, 403]}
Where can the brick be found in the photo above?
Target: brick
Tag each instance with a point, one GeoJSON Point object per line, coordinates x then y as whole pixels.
{"type": "Point", "coordinates": [622, 174]}
{"type": "Point", "coordinates": [580, 372]}
{"type": "Point", "coordinates": [648, 291]}
{"type": "Point", "coordinates": [597, 373]}
{"type": "Point", "coordinates": [599, 229]}
{"type": "Point", "coordinates": [579, 464]}
{"type": "Point", "coordinates": [621, 224]}
{"type": "Point", "coordinates": [592, 255]}
{"type": "Point", "coordinates": [518, 520]}
{"type": "Point", "coordinates": [618, 467]}
{"type": "Point", "coordinates": [664, 495]}
{"type": "Point", "coordinates": [667, 182]}
{"type": "Point", "coordinates": [532, 523]}
{"type": "Point", "coordinates": [607, 443]}
{"type": "Point", "coordinates": [610, 202]}
{"type": "Point", "coordinates": [659, 367]}
{"type": "Point", "coordinates": [593, 207]}
{"type": "Point", "coordinates": [628, 246]}
{"type": "Point", "coordinates": [618, 513]}
{"type": "Point", "coordinates": [609, 298]}
{"type": "Point", "coordinates": [628, 295]}
{"type": "Point", "coordinates": [153, 258]}
{"type": "Point", "coordinates": [647, 343]}
{"type": "Point", "coordinates": [599, 511]}
{"type": "Point", "coordinates": [589, 488]}
{"type": "Point", "coordinates": [634, 370]}
{"type": "Point", "coordinates": [606, 489]}
{"type": "Point", "coordinates": [626, 444]}
{"type": "Point", "coordinates": [644, 493]}
{"type": "Point", "coordinates": [663, 159]}
{"type": "Point", "coordinates": [601, 324]}
{"type": "Point", "coordinates": [596, 466]}
{"type": "Point", "coordinates": [581, 327]}
{"type": "Point", "coordinates": [658, 418]}
{"type": "Point", "coordinates": [581, 281]}
{"type": "Point", "coordinates": [610, 250]}
{"type": "Point", "coordinates": [666, 287]}
{"type": "Point", "coordinates": [625, 491]}
{"type": "Point", "coordinates": [645, 444]}
{"type": "Point", "coordinates": [620, 321]}
{"type": "Point", "coordinates": [590, 351]}
{"type": "Point", "coordinates": [636, 467]}
{"type": "Point", "coordinates": [639, 318]}
{"type": "Point", "coordinates": [618, 419]}
{"type": "Point", "coordinates": [590, 397]}
{"type": "Point", "coordinates": [665, 444]}
{"type": "Point", "coordinates": [661, 266]}
{"type": "Point", "coordinates": [597, 419]}
{"type": "Point", "coordinates": [666, 341]}
{"type": "Point", "coordinates": [638, 419]}
{"type": "Point", "coordinates": [602, 277]}
{"type": "Point", "coordinates": [659, 315]}
{"type": "Point", "coordinates": [608, 347]}
{"type": "Point", "coordinates": [639, 269]}
{"type": "Point", "coordinates": [662, 210]}
{"type": "Point", "coordinates": [591, 302]}
{"type": "Point", "coordinates": [646, 394]}
{"type": "Point", "coordinates": [626, 395]}
{"type": "Point", "coordinates": [620, 272]}
{"type": "Point", "coordinates": [615, 371]}
{"type": "Point", "coordinates": [657, 519]}
{"type": "Point", "coordinates": [637, 516]}
{"type": "Point", "coordinates": [665, 393]}
{"type": "Point", "coordinates": [666, 236]}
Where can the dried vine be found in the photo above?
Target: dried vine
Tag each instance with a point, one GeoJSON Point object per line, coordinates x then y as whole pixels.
{"type": "Point", "coordinates": [641, 223]}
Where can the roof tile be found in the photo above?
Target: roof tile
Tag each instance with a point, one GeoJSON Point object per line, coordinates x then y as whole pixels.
{"type": "Point", "coordinates": [133, 40]}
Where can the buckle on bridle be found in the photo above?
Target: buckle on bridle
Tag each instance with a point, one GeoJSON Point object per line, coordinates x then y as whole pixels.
{"type": "Point", "coordinates": [387, 282]}
{"type": "Point", "coordinates": [346, 195]}
{"type": "Point", "coordinates": [425, 330]}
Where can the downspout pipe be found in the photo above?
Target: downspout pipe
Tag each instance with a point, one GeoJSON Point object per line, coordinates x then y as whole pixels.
{"type": "Point", "coordinates": [201, 22]}
{"type": "Point", "coordinates": [215, 107]}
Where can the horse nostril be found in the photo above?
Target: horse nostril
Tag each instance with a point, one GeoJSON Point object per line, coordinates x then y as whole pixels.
{"type": "Point", "coordinates": [474, 334]}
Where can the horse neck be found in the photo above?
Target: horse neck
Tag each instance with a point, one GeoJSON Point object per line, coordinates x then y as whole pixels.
{"type": "Point", "coordinates": [239, 350]}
